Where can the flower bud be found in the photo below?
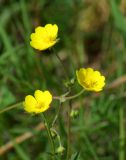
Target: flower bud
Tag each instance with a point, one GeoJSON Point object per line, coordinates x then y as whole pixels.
{"type": "Point", "coordinates": [53, 133]}
{"type": "Point", "coordinates": [74, 113]}
{"type": "Point", "coordinates": [60, 149]}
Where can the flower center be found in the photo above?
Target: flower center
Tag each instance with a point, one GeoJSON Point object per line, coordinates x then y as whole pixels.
{"type": "Point", "coordinates": [91, 84]}
{"type": "Point", "coordinates": [39, 105]}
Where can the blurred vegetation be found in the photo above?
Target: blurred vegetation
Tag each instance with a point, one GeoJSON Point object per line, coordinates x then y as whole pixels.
{"type": "Point", "coordinates": [92, 33]}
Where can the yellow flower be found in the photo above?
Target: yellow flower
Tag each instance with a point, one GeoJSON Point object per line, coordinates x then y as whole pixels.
{"type": "Point", "coordinates": [39, 103]}
{"type": "Point", "coordinates": [44, 37]}
{"type": "Point", "coordinates": [90, 80]}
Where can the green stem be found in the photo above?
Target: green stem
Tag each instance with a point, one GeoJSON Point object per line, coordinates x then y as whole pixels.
{"type": "Point", "coordinates": [74, 96]}
{"type": "Point", "coordinates": [60, 60]}
{"type": "Point", "coordinates": [90, 147]}
{"type": "Point", "coordinates": [69, 132]}
{"type": "Point", "coordinates": [49, 135]}
{"type": "Point", "coordinates": [121, 134]}
{"type": "Point", "coordinates": [57, 114]}
{"type": "Point", "coordinates": [57, 135]}
{"type": "Point", "coordinates": [65, 94]}
{"type": "Point", "coordinates": [70, 97]}
{"type": "Point", "coordinates": [10, 107]}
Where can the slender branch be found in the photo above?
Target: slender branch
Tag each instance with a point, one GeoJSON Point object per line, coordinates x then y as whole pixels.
{"type": "Point", "coordinates": [58, 136]}
{"type": "Point", "coordinates": [57, 114]}
{"type": "Point", "coordinates": [50, 136]}
{"type": "Point", "coordinates": [60, 60]}
{"type": "Point", "coordinates": [10, 107]}
{"type": "Point", "coordinates": [69, 132]}
{"type": "Point", "coordinates": [74, 96]}
{"type": "Point", "coordinates": [121, 134]}
{"type": "Point", "coordinates": [69, 97]}
{"type": "Point", "coordinates": [65, 94]}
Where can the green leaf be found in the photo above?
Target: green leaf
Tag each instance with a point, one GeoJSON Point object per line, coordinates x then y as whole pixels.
{"type": "Point", "coordinates": [21, 153]}
{"type": "Point", "coordinates": [119, 19]}
{"type": "Point", "coordinates": [7, 96]}
{"type": "Point", "coordinates": [75, 156]}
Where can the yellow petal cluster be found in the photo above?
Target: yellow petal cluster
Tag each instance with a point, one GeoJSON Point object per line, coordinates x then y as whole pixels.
{"type": "Point", "coordinates": [44, 37]}
{"type": "Point", "coordinates": [90, 80]}
{"type": "Point", "coordinates": [38, 103]}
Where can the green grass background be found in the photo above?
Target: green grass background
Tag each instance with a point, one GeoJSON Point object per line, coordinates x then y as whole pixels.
{"type": "Point", "coordinates": [98, 131]}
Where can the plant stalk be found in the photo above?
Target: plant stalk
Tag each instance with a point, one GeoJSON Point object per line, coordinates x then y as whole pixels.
{"type": "Point", "coordinates": [121, 134]}
{"type": "Point", "coordinates": [49, 135]}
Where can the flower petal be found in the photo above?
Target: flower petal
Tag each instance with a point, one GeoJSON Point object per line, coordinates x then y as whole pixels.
{"type": "Point", "coordinates": [30, 103]}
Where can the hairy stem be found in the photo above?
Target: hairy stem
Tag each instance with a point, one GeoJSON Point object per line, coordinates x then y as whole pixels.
{"type": "Point", "coordinates": [60, 60]}
{"type": "Point", "coordinates": [69, 132]}
{"type": "Point", "coordinates": [69, 97]}
{"type": "Point", "coordinates": [10, 107]}
{"type": "Point", "coordinates": [57, 114]}
{"type": "Point", "coordinates": [50, 136]}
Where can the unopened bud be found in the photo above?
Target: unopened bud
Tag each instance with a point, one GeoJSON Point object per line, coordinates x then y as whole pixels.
{"type": "Point", "coordinates": [74, 113]}
{"type": "Point", "coordinates": [72, 81]}
{"type": "Point", "coordinates": [53, 133]}
{"type": "Point", "coordinates": [60, 149]}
